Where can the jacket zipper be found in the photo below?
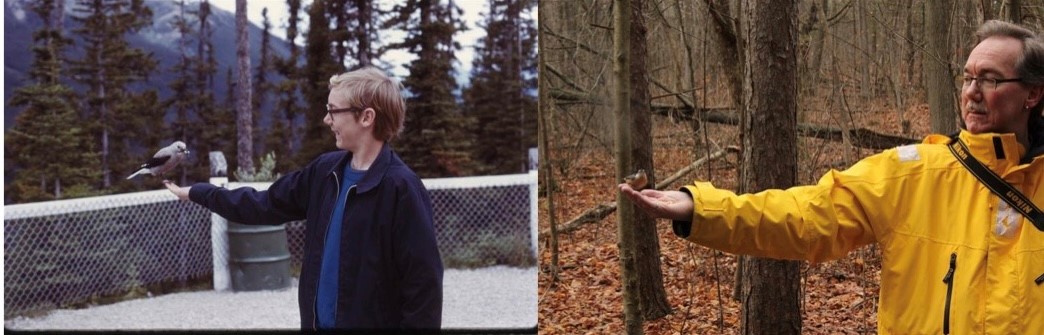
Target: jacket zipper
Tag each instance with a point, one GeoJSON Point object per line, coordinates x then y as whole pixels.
{"type": "Point", "coordinates": [948, 279]}
{"type": "Point", "coordinates": [347, 194]}
{"type": "Point", "coordinates": [1039, 280]}
{"type": "Point", "coordinates": [315, 299]}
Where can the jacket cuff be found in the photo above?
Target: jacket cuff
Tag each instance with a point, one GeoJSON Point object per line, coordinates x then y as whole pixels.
{"type": "Point", "coordinates": [684, 228]}
{"type": "Point", "coordinates": [706, 205]}
{"type": "Point", "coordinates": [198, 192]}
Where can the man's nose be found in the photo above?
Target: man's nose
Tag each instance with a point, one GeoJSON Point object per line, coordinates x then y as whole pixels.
{"type": "Point", "coordinates": [972, 91]}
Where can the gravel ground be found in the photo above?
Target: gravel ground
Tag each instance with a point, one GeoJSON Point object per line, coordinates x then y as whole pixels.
{"type": "Point", "coordinates": [494, 297]}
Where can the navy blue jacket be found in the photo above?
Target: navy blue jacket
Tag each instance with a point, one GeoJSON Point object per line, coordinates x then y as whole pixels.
{"type": "Point", "coordinates": [390, 272]}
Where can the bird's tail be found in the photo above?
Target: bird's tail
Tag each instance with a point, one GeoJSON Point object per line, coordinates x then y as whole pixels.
{"type": "Point", "coordinates": [142, 171]}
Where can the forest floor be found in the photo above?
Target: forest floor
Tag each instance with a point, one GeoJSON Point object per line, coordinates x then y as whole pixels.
{"type": "Point", "coordinates": [837, 297]}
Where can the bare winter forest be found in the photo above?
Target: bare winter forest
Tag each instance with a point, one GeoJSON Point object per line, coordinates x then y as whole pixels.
{"type": "Point", "coordinates": [866, 76]}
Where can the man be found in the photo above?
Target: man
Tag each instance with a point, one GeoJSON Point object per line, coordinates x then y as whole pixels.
{"type": "Point", "coordinates": [370, 258]}
{"type": "Point", "coordinates": [955, 256]}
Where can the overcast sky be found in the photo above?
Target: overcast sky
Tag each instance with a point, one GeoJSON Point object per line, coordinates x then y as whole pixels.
{"type": "Point", "coordinates": [277, 14]}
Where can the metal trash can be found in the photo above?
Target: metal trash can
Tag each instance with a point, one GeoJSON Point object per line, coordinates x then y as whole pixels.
{"type": "Point", "coordinates": [258, 257]}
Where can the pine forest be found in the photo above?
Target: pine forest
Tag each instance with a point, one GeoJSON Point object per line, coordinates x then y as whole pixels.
{"type": "Point", "coordinates": [93, 103]}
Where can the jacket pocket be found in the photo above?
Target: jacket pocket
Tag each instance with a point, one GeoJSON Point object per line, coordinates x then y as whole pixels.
{"type": "Point", "coordinates": [948, 279]}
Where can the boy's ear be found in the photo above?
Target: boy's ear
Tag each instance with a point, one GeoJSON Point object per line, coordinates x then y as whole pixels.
{"type": "Point", "coordinates": [369, 116]}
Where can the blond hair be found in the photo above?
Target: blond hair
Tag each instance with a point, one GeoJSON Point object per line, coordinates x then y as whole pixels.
{"type": "Point", "coordinates": [369, 87]}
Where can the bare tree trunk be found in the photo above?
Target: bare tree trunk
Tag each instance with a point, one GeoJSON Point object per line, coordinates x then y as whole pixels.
{"type": "Point", "coordinates": [729, 43]}
{"type": "Point", "coordinates": [103, 112]}
{"type": "Point", "coordinates": [244, 119]}
{"type": "Point", "coordinates": [543, 108]}
{"type": "Point", "coordinates": [861, 33]}
{"type": "Point", "coordinates": [938, 80]}
{"type": "Point", "coordinates": [689, 77]}
{"type": "Point", "coordinates": [911, 43]}
{"type": "Point", "coordinates": [624, 162]}
{"type": "Point", "coordinates": [729, 40]}
{"type": "Point", "coordinates": [1014, 10]}
{"type": "Point", "coordinates": [817, 48]}
{"type": "Point", "coordinates": [652, 299]}
{"type": "Point", "coordinates": [770, 291]}
{"type": "Point", "coordinates": [985, 10]}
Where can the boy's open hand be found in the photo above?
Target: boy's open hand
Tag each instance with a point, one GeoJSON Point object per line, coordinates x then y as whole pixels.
{"type": "Point", "coordinates": [181, 193]}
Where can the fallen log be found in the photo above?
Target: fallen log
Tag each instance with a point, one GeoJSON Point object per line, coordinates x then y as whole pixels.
{"type": "Point", "coordinates": [600, 211]}
{"type": "Point", "coordinates": [861, 137]}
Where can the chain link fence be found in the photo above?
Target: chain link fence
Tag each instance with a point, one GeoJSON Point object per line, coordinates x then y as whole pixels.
{"type": "Point", "coordinates": [59, 253]}
{"type": "Point", "coordinates": [65, 253]}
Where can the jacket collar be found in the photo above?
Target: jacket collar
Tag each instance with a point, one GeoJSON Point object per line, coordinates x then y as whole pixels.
{"type": "Point", "coordinates": [992, 148]}
{"type": "Point", "coordinates": [373, 175]}
{"type": "Point", "coordinates": [1036, 138]}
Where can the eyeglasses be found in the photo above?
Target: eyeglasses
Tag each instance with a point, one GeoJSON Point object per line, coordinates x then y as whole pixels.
{"type": "Point", "coordinates": [331, 110]}
{"type": "Point", "coordinates": [987, 84]}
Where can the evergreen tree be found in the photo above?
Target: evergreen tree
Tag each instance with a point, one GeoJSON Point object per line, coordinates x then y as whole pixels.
{"type": "Point", "coordinates": [210, 132]}
{"type": "Point", "coordinates": [182, 95]}
{"type": "Point", "coordinates": [500, 94]}
{"type": "Point", "coordinates": [354, 33]}
{"type": "Point", "coordinates": [319, 67]}
{"type": "Point", "coordinates": [283, 136]}
{"type": "Point", "coordinates": [366, 32]}
{"type": "Point", "coordinates": [122, 121]}
{"type": "Point", "coordinates": [192, 99]}
{"type": "Point", "coordinates": [48, 124]}
{"type": "Point", "coordinates": [436, 142]}
{"type": "Point", "coordinates": [261, 84]}
{"type": "Point", "coordinates": [338, 13]}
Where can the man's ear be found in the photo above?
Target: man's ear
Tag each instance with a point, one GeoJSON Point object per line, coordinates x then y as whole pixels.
{"type": "Point", "coordinates": [1035, 96]}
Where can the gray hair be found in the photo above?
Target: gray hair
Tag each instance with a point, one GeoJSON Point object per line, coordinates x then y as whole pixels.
{"type": "Point", "coordinates": [1030, 65]}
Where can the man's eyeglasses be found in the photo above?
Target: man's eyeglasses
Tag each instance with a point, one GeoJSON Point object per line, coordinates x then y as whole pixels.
{"type": "Point", "coordinates": [986, 84]}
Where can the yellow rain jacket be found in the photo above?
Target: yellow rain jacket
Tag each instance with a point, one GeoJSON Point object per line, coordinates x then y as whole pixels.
{"type": "Point", "coordinates": [923, 208]}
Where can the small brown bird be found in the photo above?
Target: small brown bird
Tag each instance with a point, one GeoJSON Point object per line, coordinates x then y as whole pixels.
{"type": "Point", "coordinates": [638, 180]}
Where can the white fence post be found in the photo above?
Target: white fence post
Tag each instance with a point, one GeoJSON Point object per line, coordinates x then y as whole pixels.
{"type": "Point", "coordinates": [533, 218]}
{"type": "Point", "coordinates": [219, 242]}
{"type": "Point", "coordinates": [219, 226]}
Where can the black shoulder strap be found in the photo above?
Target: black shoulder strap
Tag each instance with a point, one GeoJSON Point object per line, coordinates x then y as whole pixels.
{"type": "Point", "coordinates": [998, 186]}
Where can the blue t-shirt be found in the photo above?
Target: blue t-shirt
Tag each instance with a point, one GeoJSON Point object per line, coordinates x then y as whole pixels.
{"type": "Point", "coordinates": [326, 296]}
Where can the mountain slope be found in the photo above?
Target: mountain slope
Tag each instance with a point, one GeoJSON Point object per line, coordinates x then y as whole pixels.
{"type": "Point", "coordinates": [160, 39]}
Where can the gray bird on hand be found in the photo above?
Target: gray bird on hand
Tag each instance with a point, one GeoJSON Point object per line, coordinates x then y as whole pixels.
{"type": "Point", "coordinates": [164, 160]}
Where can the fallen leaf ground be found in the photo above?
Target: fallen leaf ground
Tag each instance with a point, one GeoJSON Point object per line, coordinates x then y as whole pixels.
{"type": "Point", "coordinates": [838, 297]}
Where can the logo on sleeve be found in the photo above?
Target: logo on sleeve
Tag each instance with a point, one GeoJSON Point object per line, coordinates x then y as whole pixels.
{"type": "Point", "coordinates": [908, 153]}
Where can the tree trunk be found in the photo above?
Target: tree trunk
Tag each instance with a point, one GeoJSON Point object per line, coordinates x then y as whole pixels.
{"type": "Point", "coordinates": [365, 8]}
{"type": "Point", "coordinates": [986, 10]}
{"type": "Point", "coordinates": [938, 80]}
{"type": "Point", "coordinates": [770, 289]}
{"type": "Point", "coordinates": [624, 163]}
{"type": "Point", "coordinates": [543, 109]}
{"type": "Point", "coordinates": [911, 43]}
{"type": "Point", "coordinates": [818, 41]}
{"type": "Point", "coordinates": [1014, 10]}
{"type": "Point", "coordinates": [730, 45]}
{"type": "Point", "coordinates": [244, 119]}
{"type": "Point", "coordinates": [652, 298]}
